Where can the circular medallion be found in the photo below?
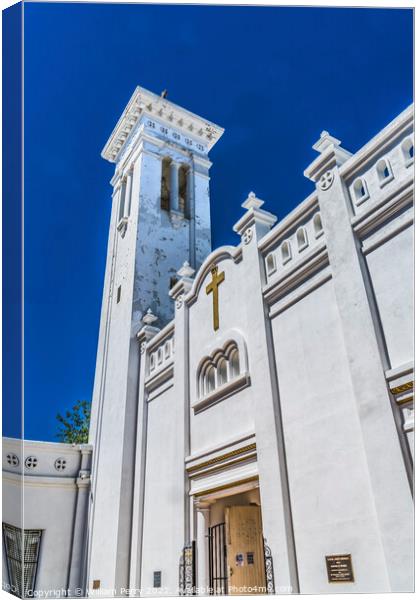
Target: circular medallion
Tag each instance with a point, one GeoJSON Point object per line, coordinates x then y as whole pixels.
{"type": "Point", "coordinates": [31, 462]}
{"type": "Point", "coordinates": [60, 464]}
{"type": "Point", "coordinates": [12, 460]}
{"type": "Point", "coordinates": [247, 236]}
{"type": "Point", "coordinates": [326, 180]}
{"type": "Point", "coordinates": [180, 301]}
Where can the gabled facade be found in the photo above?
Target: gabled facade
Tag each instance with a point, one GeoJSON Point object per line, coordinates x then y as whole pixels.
{"type": "Point", "coordinates": [253, 408]}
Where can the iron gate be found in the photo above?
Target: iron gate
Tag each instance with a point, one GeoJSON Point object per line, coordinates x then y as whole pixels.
{"type": "Point", "coordinates": [269, 573]}
{"type": "Point", "coordinates": [217, 560]}
{"type": "Point", "coordinates": [218, 563]}
{"type": "Point", "coordinates": [187, 586]}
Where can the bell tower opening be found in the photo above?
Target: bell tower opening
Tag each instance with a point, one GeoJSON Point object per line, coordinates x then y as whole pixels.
{"type": "Point", "coordinates": [165, 184]}
{"type": "Point", "coordinates": [183, 191]}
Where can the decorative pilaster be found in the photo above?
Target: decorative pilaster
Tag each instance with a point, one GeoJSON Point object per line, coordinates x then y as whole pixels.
{"type": "Point", "coordinates": [78, 558]}
{"type": "Point", "coordinates": [146, 333]}
{"type": "Point", "coordinates": [202, 516]}
{"type": "Point", "coordinates": [271, 455]}
{"type": "Point", "coordinates": [182, 530]}
{"type": "Point", "coordinates": [364, 345]}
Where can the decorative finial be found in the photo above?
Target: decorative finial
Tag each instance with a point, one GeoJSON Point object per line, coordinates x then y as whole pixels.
{"type": "Point", "coordinates": [164, 94]}
{"type": "Point", "coordinates": [186, 270]}
{"type": "Point", "coordinates": [149, 318]}
{"type": "Point", "coordinates": [325, 141]}
{"type": "Point", "coordinates": [252, 201]}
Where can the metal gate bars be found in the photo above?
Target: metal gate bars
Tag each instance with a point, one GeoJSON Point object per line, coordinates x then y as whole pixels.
{"type": "Point", "coordinates": [217, 560]}
{"type": "Point", "coordinates": [187, 585]}
{"type": "Point", "coordinates": [217, 565]}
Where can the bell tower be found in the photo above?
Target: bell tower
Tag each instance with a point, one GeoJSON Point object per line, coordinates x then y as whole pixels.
{"type": "Point", "coordinates": [160, 219]}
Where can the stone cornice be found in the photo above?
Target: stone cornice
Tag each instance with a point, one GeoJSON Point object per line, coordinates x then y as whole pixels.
{"type": "Point", "coordinates": [25, 481]}
{"type": "Point", "coordinates": [160, 336]}
{"type": "Point", "coordinates": [143, 102]}
{"type": "Point", "coordinates": [299, 214]}
{"type": "Point", "coordinates": [157, 148]}
{"type": "Point", "coordinates": [220, 458]}
{"type": "Point", "coordinates": [375, 147]}
{"type": "Point", "coordinates": [301, 272]}
{"type": "Point", "coordinates": [380, 211]}
{"type": "Point", "coordinates": [146, 333]}
{"type": "Point", "coordinates": [51, 447]}
{"type": "Point", "coordinates": [332, 156]}
{"type": "Point", "coordinates": [160, 377]}
{"type": "Point", "coordinates": [252, 217]}
{"type": "Point", "coordinates": [226, 446]}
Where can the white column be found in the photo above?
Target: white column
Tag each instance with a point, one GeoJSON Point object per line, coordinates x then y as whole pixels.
{"type": "Point", "coordinates": [190, 191]}
{"type": "Point", "coordinates": [202, 546]}
{"type": "Point", "coordinates": [181, 532]}
{"type": "Point", "coordinates": [145, 335]}
{"type": "Point", "coordinates": [190, 212]}
{"type": "Point", "coordinates": [77, 575]}
{"type": "Point", "coordinates": [271, 456]}
{"type": "Point", "coordinates": [174, 186]}
{"type": "Point", "coordinates": [128, 191]}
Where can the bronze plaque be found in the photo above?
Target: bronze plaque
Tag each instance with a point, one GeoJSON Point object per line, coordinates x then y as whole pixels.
{"type": "Point", "coordinates": [339, 568]}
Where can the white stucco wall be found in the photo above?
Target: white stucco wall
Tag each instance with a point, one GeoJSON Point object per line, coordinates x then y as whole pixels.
{"type": "Point", "coordinates": [233, 416]}
{"type": "Point", "coordinates": [50, 503]}
{"type": "Point", "coordinates": [163, 538]}
{"type": "Point", "coordinates": [331, 501]}
{"type": "Point", "coordinates": [391, 269]}
{"type": "Point", "coordinates": [324, 339]}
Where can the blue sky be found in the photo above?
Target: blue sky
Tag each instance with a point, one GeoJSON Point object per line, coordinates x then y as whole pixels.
{"type": "Point", "coordinates": [273, 77]}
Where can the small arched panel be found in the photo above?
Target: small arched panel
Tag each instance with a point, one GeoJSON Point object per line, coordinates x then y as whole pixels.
{"type": "Point", "coordinates": [384, 171]}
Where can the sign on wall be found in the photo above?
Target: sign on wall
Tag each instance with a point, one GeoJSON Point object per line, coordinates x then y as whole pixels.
{"type": "Point", "coordinates": [339, 568]}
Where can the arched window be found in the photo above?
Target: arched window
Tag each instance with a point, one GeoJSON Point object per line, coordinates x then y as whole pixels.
{"type": "Point", "coordinates": [210, 379]}
{"type": "Point", "coordinates": [218, 369]}
{"type": "Point", "coordinates": [302, 238]}
{"type": "Point", "coordinates": [318, 229]}
{"type": "Point", "coordinates": [159, 356]}
{"type": "Point", "coordinates": [183, 190]}
{"type": "Point", "coordinates": [234, 363]}
{"type": "Point", "coordinates": [360, 191]}
{"type": "Point", "coordinates": [271, 264]}
{"type": "Point", "coordinates": [408, 151]}
{"type": "Point", "coordinates": [165, 187]}
{"type": "Point", "coordinates": [286, 252]}
{"type": "Point", "coordinates": [383, 169]}
{"type": "Point", "coordinates": [222, 372]}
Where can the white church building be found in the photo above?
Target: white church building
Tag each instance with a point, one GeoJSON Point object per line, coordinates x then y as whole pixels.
{"type": "Point", "coordinates": [252, 413]}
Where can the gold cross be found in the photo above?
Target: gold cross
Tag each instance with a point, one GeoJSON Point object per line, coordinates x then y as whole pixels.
{"type": "Point", "coordinates": [213, 287]}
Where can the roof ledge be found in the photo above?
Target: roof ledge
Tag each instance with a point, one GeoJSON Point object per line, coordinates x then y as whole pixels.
{"type": "Point", "coordinates": [144, 102]}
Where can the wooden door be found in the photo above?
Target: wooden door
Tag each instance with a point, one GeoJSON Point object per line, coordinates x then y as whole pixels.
{"type": "Point", "coordinates": [244, 550]}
